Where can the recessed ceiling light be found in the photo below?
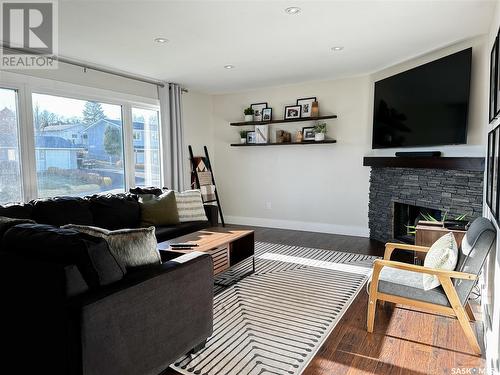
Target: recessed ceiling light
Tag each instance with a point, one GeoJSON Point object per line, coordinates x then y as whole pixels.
{"type": "Point", "coordinates": [229, 66]}
{"type": "Point", "coordinates": [292, 10]}
{"type": "Point", "coordinates": [338, 48]}
{"type": "Point", "coordinates": [161, 40]}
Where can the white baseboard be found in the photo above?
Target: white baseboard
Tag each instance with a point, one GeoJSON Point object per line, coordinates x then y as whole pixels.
{"type": "Point", "coordinates": [299, 225]}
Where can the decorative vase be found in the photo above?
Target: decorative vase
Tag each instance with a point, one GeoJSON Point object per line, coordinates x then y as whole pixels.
{"type": "Point", "coordinates": [319, 137]}
{"type": "Point", "coordinates": [315, 109]}
{"type": "Point", "coordinates": [298, 136]}
{"type": "Point", "coordinates": [243, 140]}
{"type": "Point", "coordinates": [248, 118]}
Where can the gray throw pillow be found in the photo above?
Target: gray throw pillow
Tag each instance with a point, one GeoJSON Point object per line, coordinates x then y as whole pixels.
{"type": "Point", "coordinates": [133, 247]}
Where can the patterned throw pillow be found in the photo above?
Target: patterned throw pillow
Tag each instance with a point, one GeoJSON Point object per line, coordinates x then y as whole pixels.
{"type": "Point", "coordinates": [443, 254]}
{"type": "Point", "coordinates": [190, 206]}
{"type": "Point", "coordinates": [132, 247]}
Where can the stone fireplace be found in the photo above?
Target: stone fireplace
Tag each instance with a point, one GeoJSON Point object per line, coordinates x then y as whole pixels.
{"type": "Point", "coordinates": [397, 194]}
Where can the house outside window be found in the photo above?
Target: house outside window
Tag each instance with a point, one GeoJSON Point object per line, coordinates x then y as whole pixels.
{"type": "Point", "coordinates": [78, 146]}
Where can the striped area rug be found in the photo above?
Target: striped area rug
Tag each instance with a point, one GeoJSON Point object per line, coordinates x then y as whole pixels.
{"type": "Point", "coordinates": [275, 320]}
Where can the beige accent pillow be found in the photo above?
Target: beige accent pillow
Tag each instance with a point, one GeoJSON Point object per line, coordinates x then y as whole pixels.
{"type": "Point", "coordinates": [443, 254]}
{"type": "Point", "coordinates": [160, 210]}
{"type": "Point", "coordinates": [190, 206]}
{"type": "Point", "coordinates": [132, 247]}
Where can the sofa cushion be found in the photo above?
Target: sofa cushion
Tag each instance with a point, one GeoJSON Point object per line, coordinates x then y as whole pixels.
{"type": "Point", "coordinates": [190, 206]}
{"type": "Point", "coordinates": [165, 233]}
{"type": "Point", "coordinates": [7, 222]}
{"type": "Point", "coordinates": [17, 211]}
{"type": "Point", "coordinates": [62, 210]}
{"type": "Point", "coordinates": [133, 247]}
{"type": "Point", "coordinates": [114, 211]}
{"type": "Point", "coordinates": [66, 247]}
{"type": "Point", "coordinates": [409, 284]}
{"type": "Point", "coordinates": [161, 210]}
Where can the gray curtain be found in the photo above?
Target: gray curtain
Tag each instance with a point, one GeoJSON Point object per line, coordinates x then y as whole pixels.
{"type": "Point", "coordinates": [170, 98]}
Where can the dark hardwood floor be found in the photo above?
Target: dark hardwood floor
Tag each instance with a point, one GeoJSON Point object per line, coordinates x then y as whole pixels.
{"type": "Point", "coordinates": [326, 241]}
{"type": "Point", "coordinates": [405, 341]}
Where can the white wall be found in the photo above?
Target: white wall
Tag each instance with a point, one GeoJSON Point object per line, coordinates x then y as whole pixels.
{"type": "Point", "coordinates": [320, 188]}
{"type": "Point", "coordinates": [491, 280]}
{"type": "Point", "coordinates": [198, 126]}
{"type": "Point", "coordinates": [309, 187]}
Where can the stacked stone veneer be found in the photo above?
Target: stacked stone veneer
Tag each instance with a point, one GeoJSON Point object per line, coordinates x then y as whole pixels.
{"type": "Point", "coordinates": [458, 192]}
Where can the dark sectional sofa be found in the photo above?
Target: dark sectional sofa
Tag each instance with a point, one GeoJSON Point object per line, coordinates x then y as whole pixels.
{"type": "Point", "coordinates": [111, 211]}
{"type": "Point", "coordinates": [66, 310]}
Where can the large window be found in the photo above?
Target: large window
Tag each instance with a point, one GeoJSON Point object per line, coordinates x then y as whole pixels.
{"type": "Point", "coordinates": [146, 147]}
{"type": "Point", "coordinates": [78, 146]}
{"type": "Point", "coordinates": [10, 171]}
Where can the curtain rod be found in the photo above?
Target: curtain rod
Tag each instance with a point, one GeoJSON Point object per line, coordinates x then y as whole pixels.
{"type": "Point", "coordinates": [86, 66]}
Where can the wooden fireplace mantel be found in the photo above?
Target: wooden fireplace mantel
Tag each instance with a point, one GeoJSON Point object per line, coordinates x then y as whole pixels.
{"type": "Point", "coordinates": [455, 163]}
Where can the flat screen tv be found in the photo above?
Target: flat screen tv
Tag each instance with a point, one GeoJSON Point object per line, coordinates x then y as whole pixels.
{"type": "Point", "coordinates": [424, 106]}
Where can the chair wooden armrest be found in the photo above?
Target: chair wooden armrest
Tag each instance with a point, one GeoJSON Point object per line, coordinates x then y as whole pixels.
{"type": "Point", "coordinates": [391, 246]}
{"type": "Point", "coordinates": [379, 263]}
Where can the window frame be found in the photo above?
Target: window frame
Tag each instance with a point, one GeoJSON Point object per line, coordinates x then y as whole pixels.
{"type": "Point", "coordinates": [22, 136]}
{"type": "Point", "coordinates": [160, 133]}
{"type": "Point", "coordinates": [26, 86]}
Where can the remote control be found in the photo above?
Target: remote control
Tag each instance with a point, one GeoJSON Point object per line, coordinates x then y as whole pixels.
{"type": "Point", "coordinates": [184, 245]}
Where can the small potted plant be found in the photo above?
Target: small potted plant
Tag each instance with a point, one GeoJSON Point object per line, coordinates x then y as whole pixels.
{"type": "Point", "coordinates": [319, 131]}
{"type": "Point", "coordinates": [248, 114]}
{"type": "Point", "coordinates": [243, 136]}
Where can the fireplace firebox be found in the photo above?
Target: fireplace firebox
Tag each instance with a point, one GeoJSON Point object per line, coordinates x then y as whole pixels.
{"type": "Point", "coordinates": [405, 218]}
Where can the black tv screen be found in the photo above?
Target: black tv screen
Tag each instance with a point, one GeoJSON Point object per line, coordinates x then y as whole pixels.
{"type": "Point", "coordinates": [424, 106]}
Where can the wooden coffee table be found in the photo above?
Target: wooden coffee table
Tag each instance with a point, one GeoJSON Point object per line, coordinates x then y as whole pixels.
{"type": "Point", "coordinates": [227, 247]}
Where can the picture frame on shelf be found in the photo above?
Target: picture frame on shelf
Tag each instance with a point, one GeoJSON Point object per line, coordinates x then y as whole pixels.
{"type": "Point", "coordinates": [262, 133]}
{"type": "Point", "coordinates": [306, 106]}
{"type": "Point", "coordinates": [257, 110]}
{"type": "Point", "coordinates": [493, 80]}
{"type": "Point", "coordinates": [308, 133]}
{"type": "Point", "coordinates": [495, 176]}
{"type": "Point", "coordinates": [267, 114]}
{"type": "Point", "coordinates": [251, 137]}
{"type": "Point", "coordinates": [490, 165]}
{"type": "Point", "coordinates": [292, 112]}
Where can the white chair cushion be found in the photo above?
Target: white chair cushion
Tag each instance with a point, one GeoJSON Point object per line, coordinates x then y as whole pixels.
{"type": "Point", "coordinates": [443, 254]}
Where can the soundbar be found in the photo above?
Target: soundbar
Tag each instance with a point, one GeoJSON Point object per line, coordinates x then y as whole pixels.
{"type": "Point", "coordinates": [418, 154]}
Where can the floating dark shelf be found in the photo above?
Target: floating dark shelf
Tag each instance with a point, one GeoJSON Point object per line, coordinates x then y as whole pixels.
{"type": "Point", "coordinates": [283, 144]}
{"type": "Point", "coordinates": [454, 163]}
{"type": "Point", "coordinates": [245, 123]}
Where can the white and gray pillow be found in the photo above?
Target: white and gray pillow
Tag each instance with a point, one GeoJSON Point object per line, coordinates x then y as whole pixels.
{"type": "Point", "coordinates": [190, 206]}
{"type": "Point", "coordinates": [132, 247]}
{"type": "Point", "coordinates": [443, 254]}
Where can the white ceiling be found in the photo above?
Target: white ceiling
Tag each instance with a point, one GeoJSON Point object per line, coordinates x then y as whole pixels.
{"type": "Point", "coordinates": [267, 46]}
